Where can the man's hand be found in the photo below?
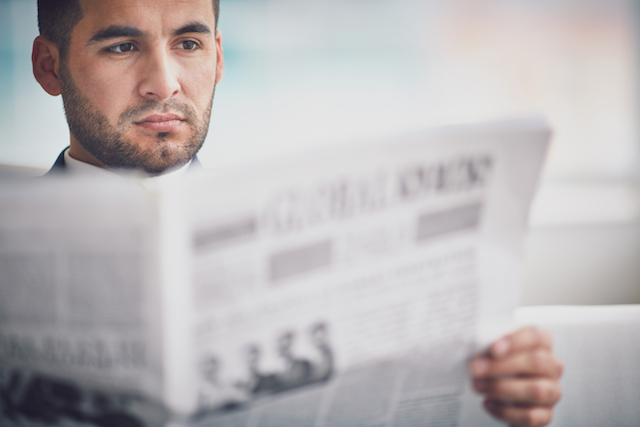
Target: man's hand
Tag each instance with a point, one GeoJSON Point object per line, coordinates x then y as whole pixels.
{"type": "Point", "coordinates": [519, 378]}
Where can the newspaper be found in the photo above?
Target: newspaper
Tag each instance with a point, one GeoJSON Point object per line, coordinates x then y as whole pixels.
{"type": "Point", "coordinates": [346, 287]}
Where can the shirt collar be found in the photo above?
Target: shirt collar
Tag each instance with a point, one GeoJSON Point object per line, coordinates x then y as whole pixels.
{"type": "Point", "coordinates": [77, 167]}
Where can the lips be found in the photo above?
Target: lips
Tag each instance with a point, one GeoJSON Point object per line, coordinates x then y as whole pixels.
{"type": "Point", "coordinates": [160, 122]}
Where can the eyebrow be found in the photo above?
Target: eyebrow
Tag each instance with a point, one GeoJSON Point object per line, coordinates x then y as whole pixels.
{"type": "Point", "coordinates": [115, 31]}
{"type": "Point", "coordinates": [193, 27]}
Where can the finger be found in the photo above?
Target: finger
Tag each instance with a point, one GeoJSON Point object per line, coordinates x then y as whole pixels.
{"type": "Point", "coordinates": [524, 339]}
{"type": "Point", "coordinates": [540, 363]}
{"type": "Point", "coordinates": [518, 416]}
{"type": "Point", "coordinates": [525, 392]}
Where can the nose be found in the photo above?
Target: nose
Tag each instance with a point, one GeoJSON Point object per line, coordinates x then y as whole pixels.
{"type": "Point", "coordinates": [159, 81]}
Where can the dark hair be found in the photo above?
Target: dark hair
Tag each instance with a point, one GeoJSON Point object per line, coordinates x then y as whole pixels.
{"type": "Point", "coordinates": [56, 19]}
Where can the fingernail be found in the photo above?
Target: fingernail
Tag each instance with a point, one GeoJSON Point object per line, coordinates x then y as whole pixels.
{"type": "Point", "coordinates": [479, 367]}
{"type": "Point", "coordinates": [501, 348]}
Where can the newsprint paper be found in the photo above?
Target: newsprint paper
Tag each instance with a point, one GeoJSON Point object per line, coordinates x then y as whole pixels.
{"type": "Point", "coordinates": [345, 287]}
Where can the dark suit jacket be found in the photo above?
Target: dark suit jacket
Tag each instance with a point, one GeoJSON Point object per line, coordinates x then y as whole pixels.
{"type": "Point", "coordinates": [60, 165]}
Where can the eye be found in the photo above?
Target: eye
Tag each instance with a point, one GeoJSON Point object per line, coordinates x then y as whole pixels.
{"type": "Point", "coordinates": [122, 48]}
{"type": "Point", "coordinates": [189, 45]}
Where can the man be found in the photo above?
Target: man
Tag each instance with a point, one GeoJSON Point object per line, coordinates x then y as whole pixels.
{"type": "Point", "coordinates": [137, 78]}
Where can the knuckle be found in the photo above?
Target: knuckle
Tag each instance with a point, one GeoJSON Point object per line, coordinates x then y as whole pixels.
{"type": "Point", "coordinates": [546, 335]}
{"type": "Point", "coordinates": [538, 392]}
{"type": "Point", "coordinates": [530, 333]}
{"type": "Point", "coordinates": [537, 417]}
{"type": "Point", "coordinates": [558, 395]}
{"type": "Point", "coordinates": [541, 337]}
{"type": "Point", "coordinates": [545, 417]}
{"type": "Point", "coordinates": [534, 417]}
{"type": "Point", "coordinates": [552, 394]}
{"type": "Point", "coordinates": [537, 361]}
{"type": "Point", "coordinates": [530, 418]}
{"type": "Point", "coordinates": [535, 330]}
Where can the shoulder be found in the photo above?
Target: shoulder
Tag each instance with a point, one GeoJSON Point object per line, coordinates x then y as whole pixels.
{"type": "Point", "coordinates": [59, 166]}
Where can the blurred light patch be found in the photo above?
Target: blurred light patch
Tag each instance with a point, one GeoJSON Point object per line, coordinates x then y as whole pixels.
{"type": "Point", "coordinates": [309, 73]}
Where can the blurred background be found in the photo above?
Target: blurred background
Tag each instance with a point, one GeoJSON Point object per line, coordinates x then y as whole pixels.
{"type": "Point", "coordinates": [308, 73]}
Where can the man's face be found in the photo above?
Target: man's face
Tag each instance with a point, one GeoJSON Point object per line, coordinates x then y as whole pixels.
{"type": "Point", "coordinates": [139, 79]}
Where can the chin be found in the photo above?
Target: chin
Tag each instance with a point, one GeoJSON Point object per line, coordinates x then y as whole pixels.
{"type": "Point", "coordinates": [166, 159]}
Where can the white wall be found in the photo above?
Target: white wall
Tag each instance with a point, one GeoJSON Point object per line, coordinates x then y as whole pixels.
{"type": "Point", "coordinates": [584, 245]}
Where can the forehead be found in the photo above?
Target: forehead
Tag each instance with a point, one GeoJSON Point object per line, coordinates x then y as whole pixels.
{"type": "Point", "coordinates": [154, 16]}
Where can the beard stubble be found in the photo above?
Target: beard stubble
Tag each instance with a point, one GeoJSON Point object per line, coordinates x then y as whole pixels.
{"type": "Point", "coordinates": [107, 143]}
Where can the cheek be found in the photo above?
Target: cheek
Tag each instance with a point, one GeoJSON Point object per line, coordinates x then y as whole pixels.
{"type": "Point", "coordinates": [108, 88]}
{"type": "Point", "coordinates": [110, 94]}
{"type": "Point", "coordinates": [197, 84]}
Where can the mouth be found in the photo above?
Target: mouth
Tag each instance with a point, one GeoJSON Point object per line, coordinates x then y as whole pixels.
{"type": "Point", "coordinates": [160, 122]}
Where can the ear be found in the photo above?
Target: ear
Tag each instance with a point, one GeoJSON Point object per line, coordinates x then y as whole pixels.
{"type": "Point", "coordinates": [219, 57]}
{"type": "Point", "coordinates": [45, 60]}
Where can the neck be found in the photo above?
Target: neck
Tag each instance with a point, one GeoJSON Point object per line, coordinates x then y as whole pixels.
{"type": "Point", "coordinates": [78, 152]}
